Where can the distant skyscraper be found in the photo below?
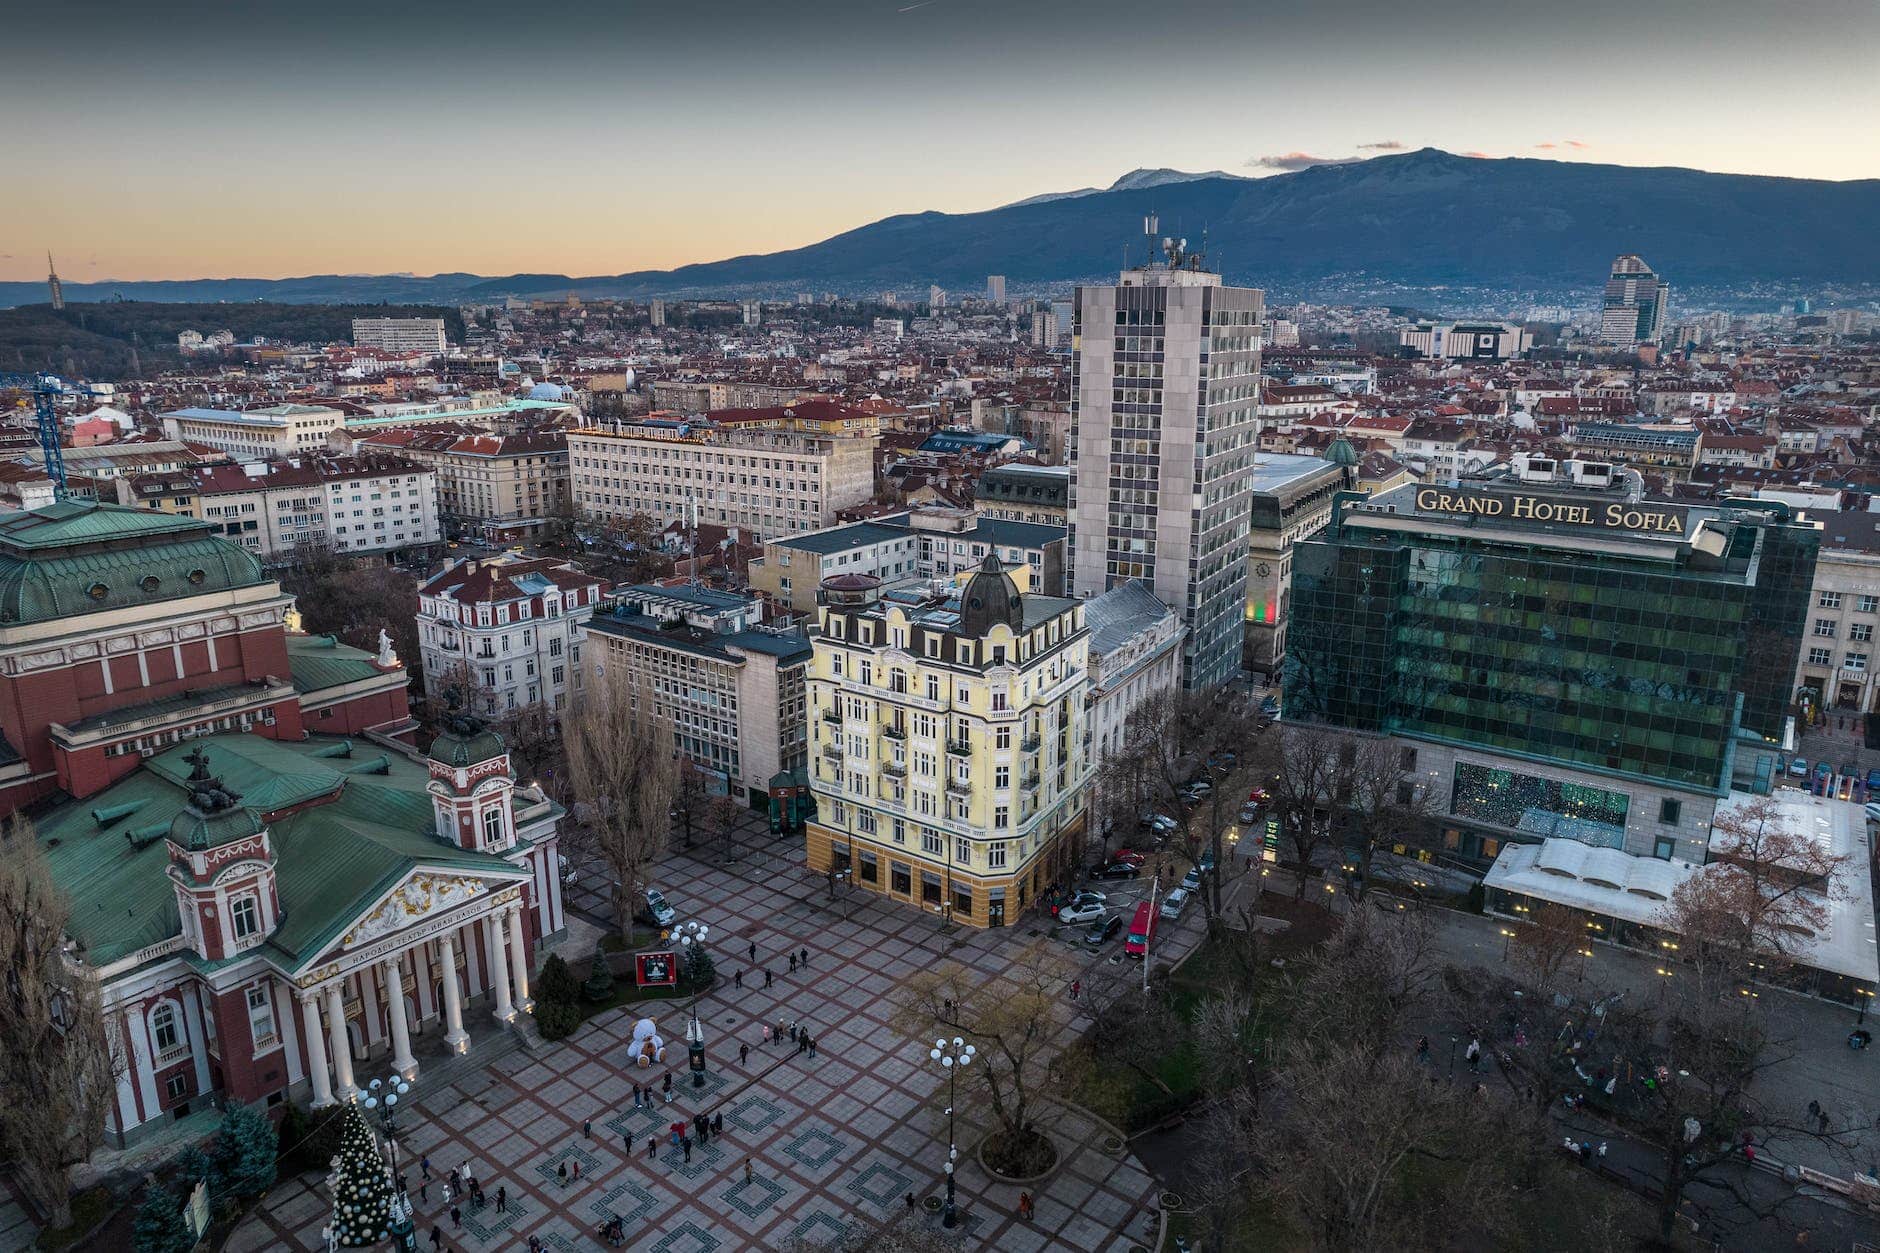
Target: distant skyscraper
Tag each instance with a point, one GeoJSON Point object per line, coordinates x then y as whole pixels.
{"type": "Point", "coordinates": [1163, 398]}
{"type": "Point", "coordinates": [53, 285]}
{"type": "Point", "coordinates": [753, 312]}
{"type": "Point", "coordinates": [400, 334]}
{"type": "Point", "coordinates": [995, 289]}
{"type": "Point", "coordinates": [936, 297]}
{"type": "Point", "coordinates": [659, 313]}
{"type": "Point", "coordinates": [1634, 308]}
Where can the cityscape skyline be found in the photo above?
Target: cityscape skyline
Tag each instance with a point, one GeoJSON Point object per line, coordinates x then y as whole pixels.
{"type": "Point", "coordinates": [545, 153]}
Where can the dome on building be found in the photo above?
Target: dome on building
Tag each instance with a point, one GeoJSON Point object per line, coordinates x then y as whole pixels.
{"type": "Point", "coordinates": [551, 392]}
{"type": "Point", "coordinates": [465, 740]}
{"type": "Point", "coordinates": [856, 591]}
{"type": "Point", "coordinates": [990, 597]}
{"type": "Point", "coordinates": [1342, 453]}
{"type": "Point", "coordinates": [213, 815]}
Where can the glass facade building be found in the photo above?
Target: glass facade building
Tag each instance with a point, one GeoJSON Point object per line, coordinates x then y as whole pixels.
{"type": "Point", "coordinates": [1533, 624]}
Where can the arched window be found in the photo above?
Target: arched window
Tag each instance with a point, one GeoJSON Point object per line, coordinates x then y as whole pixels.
{"type": "Point", "coordinates": [165, 1032]}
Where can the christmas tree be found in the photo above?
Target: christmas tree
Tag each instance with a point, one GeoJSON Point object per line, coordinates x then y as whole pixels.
{"type": "Point", "coordinates": [362, 1188]}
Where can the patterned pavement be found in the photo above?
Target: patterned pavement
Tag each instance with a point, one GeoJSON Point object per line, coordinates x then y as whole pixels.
{"type": "Point", "coordinates": [833, 1142]}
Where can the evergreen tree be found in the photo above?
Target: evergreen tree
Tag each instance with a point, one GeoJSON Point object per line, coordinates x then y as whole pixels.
{"type": "Point", "coordinates": [245, 1151]}
{"type": "Point", "coordinates": [160, 1226]}
{"type": "Point", "coordinates": [600, 981]}
{"type": "Point", "coordinates": [362, 1187]}
{"type": "Point", "coordinates": [192, 1167]}
{"type": "Point", "coordinates": [697, 969]}
{"type": "Point", "coordinates": [557, 982]}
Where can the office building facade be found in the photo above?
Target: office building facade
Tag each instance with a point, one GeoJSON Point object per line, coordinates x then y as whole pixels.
{"type": "Point", "coordinates": [1556, 657]}
{"type": "Point", "coordinates": [1164, 394]}
{"type": "Point", "coordinates": [400, 335]}
{"type": "Point", "coordinates": [1634, 308]}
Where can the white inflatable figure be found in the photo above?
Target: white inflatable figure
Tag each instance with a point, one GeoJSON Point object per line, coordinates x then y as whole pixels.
{"type": "Point", "coordinates": [647, 1047]}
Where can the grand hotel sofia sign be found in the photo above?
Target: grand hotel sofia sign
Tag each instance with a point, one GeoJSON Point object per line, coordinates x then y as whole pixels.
{"type": "Point", "coordinates": [1614, 515]}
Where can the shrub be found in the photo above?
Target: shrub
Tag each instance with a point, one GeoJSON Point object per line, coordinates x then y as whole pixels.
{"type": "Point", "coordinates": [556, 982]}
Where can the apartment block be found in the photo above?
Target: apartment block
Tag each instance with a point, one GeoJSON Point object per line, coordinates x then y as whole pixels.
{"type": "Point", "coordinates": [275, 431]}
{"type": "Point", "coordinates": [507, 632]}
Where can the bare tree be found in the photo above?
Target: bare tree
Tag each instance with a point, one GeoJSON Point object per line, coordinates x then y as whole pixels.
{"type": "Point", "coordinates": [56, 1065]}
{"type": "Point", "coordinates": [1363, 983]}
{"type": "Point", "coordinates": [1381, 799]}
{"type": "Point", "coordinates": [691, 797]}
{"type": "Point", "coordinates": [1305, 765]}
{"type": "Point", "coordinates": [533, 735]}
{"type": "Point", "coordinates": [622, 775]}
{"type": "Point", "coordinates": [1013, 1021]}
{"type": "Point", "coordinates": [1553, 936]}
{"type": "Point", "coordinates": [722, 815]}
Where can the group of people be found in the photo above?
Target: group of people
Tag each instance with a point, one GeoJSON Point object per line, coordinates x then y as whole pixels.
{"type": "Point", "coordinates": [461, 1184]}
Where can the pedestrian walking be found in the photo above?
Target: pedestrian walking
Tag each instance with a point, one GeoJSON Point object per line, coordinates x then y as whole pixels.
{"type": "Point", "coordinates": [437, 1237]}
{"type": "Point", "coordinates": [686, 1144]}
{"type": "Point", "coordinates": [793, 963]}
{"type": "Point", "coordinates": [667, 1084]}
{"type": "Point", "coordinates": [910, 1202]}
{"type": "Point", "coordinates": [802, 959]}
{"type": "Point", "coordinates": [577, 1170]}
{"type": "Point", "coordinates": [626, 1143]}
{"type": "Point", "coordinates": [766, 976]}
{"type": "Point", "coordinates": [753, 950]}
{"type": "Point", "coordinates": [1824, 1122]}
{"type": "Point", "coordinates": [744, 1053]}
{"type": "Point", "coordinates": [1077, 988]}
{"type": "Point", "coordinates": [1473, 1054]}
{"type": "Point", "coordinates": [456, 1218]}
{"type": "Point", "coordinates": [424, 1164]}
{"type": "Point", "coordinates": [424, 1191]}
{"type": "Point", "coordinates": [1814, 1109]}
{"type": "Point", "coordinates": [456, 1180]}
{"type": "Point", "coordinates": [718, 1123]}
{"type": "Point", "coordinates": [737, 977]}
{"type": "Point", "coordinates": [448, 1193]}
{"type": "Point", "coordinates": [636, 1096]}
{"type": "Point", "coordinates": [587, 1128]}
{"type": "Point", "coordinates": [502, 1199]}
{"type": "Point", "coordinates": [652, 1146]}
{"type": "Point", "coordinates": [561, 1173]}
{"type": "Point", "coordinates": [802, 1043]}
{"type": "Point", "coordinates": [1024, 1206]}
{"type": "Point", "coordinates": [747, 1170]}
{"type": "Point", "coordinates": [1423, 1048]}
{"type": "Point", "coordinates": [780, 1031]}
{"type": "Point", "coordinates": [469, 1177]}
{"type": "Point", "coordinates": [812, 1048]}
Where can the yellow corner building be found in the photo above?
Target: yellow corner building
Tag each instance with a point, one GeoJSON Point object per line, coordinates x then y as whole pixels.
{"type": "Point", "coordinates": [948, 741]}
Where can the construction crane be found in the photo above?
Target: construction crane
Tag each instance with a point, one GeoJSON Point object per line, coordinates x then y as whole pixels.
{"type": "Point", "coordinates": [45, 387]}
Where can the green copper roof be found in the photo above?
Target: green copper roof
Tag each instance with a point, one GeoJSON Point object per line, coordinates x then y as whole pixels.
{"type": "Point", "coordinates": [75, 558]}
{"type": "Point", "coordinates": [467, 747]}
{"type": "Point", "coordinates": [333, 859]}
{"type": "Point", "coordinates": [318, 662]}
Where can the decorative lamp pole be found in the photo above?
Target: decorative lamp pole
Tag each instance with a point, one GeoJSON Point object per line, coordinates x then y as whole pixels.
{"type": "Point", "coordinates": [382, 1096]}
{"type": "Point", "coordinates": [953, 1055]}
{"type": "Point", "coordinates": [691, 936]}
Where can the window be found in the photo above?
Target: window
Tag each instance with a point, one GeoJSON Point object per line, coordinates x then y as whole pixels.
{"type": "Point", "coordinates": [900, 831]}
{"type": "Point", "coordinates": [1662, 846]}
{"type": "Point", "coordinates": [1824, 627]}
{"type": "Point", "coordinates": [176, 1087]}
{"type": "Point", "coordinates": [246, 913]}
{"type": "Point", "coordinates": [962, 850]}
{"type": "Point", "coordinates": [1820, 656]}
{"type": "Point", "coordinates": [1856, 661]}
{"type": "Point", "coordinates": [1870, 604]}
{"type": "Point", "coordinates": [930, 887]}
{"type": "Point", "coordinates": [999, 704]}
{"type": "Point", "coordinates": [1002, 737]}
{"type": "Point", "coordinates": [261, 1016]}
{"type": "Point", "coordinates": [871, 868]}
{"type": "Point", "coordinates": [1669, 810]}
{"type": "Point", "coordinates": [898, 878]}
{"type": "Point", "coordinates": [165, 1033]}
{"type": "Point", "coordinates": [995, 855]}
{"type": "Point", "coordinates": [962, 898]}
{"type": "Point", "coordinates": [1860, 632]}
{"type": "Point", "coordinates": [493, 826]}
{"type": "Point", "coordinates": [1001, 817]}
{"type": "Point", "coordinates": [1407, 759]}
{"type": "Point", "coordinates": [930, 841]}
{"type": "Point", "coordinates": [1829, 600]}
{"type": "Point", "coordinates": [933, 687]}
{"type": "Point", "coordinates": [1002, 777]}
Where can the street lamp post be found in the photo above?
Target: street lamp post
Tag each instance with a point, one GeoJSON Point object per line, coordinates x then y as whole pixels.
{"type": "Point", "coordinates": [952, 1055]}
{"type": "Point", "coordinates": [382, 1096]}
{"type": "Point", "coordinates": [692, 934]}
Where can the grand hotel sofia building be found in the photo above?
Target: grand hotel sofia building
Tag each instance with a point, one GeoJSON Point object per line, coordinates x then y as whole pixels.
{"type": "Point", "coordinates": [1556, 656]}
{"type": "Point", "coordinates": [270, 884]}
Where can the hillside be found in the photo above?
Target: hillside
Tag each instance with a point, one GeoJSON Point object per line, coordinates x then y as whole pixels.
{"type": "Point", "coordinates": [1414, 221]}
{"type": "Point", "coordinates": [95, 340]}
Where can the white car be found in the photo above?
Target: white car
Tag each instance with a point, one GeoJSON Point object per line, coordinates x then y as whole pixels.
{"type": "Point", "coordinates": [1080, 911]}
{"type": "Point", "coordinates": [1162, 824]}
{"type": "Point", "coordinates": [1174, 903]}
{"type": "Point", "coordinates": [657, 912]}
{"type": "Point", "coordinates": [1873, 811]}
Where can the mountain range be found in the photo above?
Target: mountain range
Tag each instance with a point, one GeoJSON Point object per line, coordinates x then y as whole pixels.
{"type": "Point", "coordinates": [1415, 221]}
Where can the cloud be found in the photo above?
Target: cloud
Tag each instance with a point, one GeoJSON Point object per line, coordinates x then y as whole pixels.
{"type": "Point", "coordinates": [1383, 145]}
{"type": "Point", "coordinates": [1577, 143]}
{"type": "Point", "coordinates": [1479, 155]}
{"type": "Point", "coordinates": [1546, 145]}
{"type": "Point", "coordinates": [1291, 161]}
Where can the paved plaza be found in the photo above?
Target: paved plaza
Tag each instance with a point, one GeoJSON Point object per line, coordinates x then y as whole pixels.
{"type": "Point", "coordinates": [834, 1142]}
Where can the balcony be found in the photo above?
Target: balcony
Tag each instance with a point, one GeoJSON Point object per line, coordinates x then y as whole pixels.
{"type": "Point", "coordinates": [894, 769]}
{"type": "Point", "coordinates": [832, 750]}
{"type": "Point", "coordinates": [1030, 744]}
{"type": "Point", "coordinates": [832, 717]}
{"type": "Point", "coordinates": [960, 748]}
{"type": "Point", "coordinates": [894, 732]}
{"type": "Point", "coordinates": [959, 787]}
{"type": "Point", "coordinates": [1031, 782]}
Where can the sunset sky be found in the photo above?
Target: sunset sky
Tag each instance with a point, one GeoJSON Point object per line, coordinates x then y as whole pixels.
{"type": "Point", "coordinates": [194, 139]}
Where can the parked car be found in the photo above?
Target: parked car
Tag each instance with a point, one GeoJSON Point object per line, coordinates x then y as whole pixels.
{"type": "Point", "coordinates": [1081, 911]}
{"type": "Point", "coordinates": [1259, 796]}
{"type": "Point", "coordinates": [1141, 930]}
{"type": "Point", "coordinates": [1799, 768]}
{"type": "Point", "coordinates": [1873, 779]}
{"type": "Point", "coordinates": [1161, 824]}
{"type": "Point", "coordinates": [1115, 870]}
{"type": "Point", "coordinates": [656, 912]}
{"type": "Point", "coordinates": [1249, 813]}
{"type": "Point", "coordinates": [1198, 787]}
{"type": "Point", "coordinates": [1133, 856]}
{"type": "Point", "coordinates": [1174, 903]}
{"type": "Point", "coordinates": [1103, 931]}
{"type": "Point", "coordinates": [1206, 864]}
{"type": "Point", "coordinates": [1192, 880]}
{"type": "Point", "coordinates": [1873, 811]}
{"type": "Point", "coordinates": [1823, 770]}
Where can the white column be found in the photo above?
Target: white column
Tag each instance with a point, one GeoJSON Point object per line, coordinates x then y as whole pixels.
{"type": "Point", "coordinates": [316, 1052]}
{"type": "Point", "coordinates": [519, 958]}
{"type": "Point", "coordinates": [456, 1039]}
{"type": "Point", "coordinates": [343, 1089]}
{"type": "Point", "coordinates": [498, 968]}
{"type": "Point", "coordinates": [402, 1060]}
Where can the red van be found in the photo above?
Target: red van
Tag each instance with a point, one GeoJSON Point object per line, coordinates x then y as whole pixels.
{"type": "Point", "coordinates": [1141, 930]}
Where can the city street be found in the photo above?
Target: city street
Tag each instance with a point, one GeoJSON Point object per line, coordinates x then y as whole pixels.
{"type": "Point", "coordinates": [835, 1141]}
